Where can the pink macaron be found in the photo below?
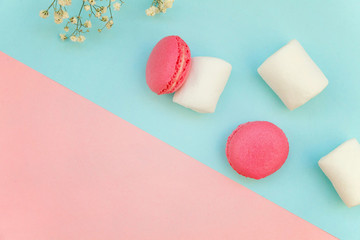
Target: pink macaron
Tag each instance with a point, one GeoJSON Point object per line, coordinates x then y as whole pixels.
{"type": "Point", "coordinates": [168, 65]}
{"type": "Point", "coordinates": [257, 149]}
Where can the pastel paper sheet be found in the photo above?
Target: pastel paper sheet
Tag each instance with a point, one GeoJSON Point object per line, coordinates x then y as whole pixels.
{"type": "Point", "coordinates": [293, 75]}
{"type": "Point", "coordinates": [71, 170]}
{"type": "Point", "coordinates": [342, 167]}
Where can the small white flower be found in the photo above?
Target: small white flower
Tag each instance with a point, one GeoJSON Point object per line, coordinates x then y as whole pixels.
{"type": "Point", "coordinates": [63, 37]}
{"type": "Point", "coordinates": [164, 5]}
{"type": "Point", "coordinates": [97, 14]}
{"type": "Point", "coordinates": [58, 18]}
{"type": "Point", "coordinates": [65, 15]}
{"type": "Point", "coordinates": [103, 10]}
{"type": "Point", "coordinates": [152, 11]}
{"type": "Point", "coordinates": [81, 39]}
{"type": "Point", "coordinates": [88, 24]}
{"type": "Point", "coordinates": [44, 14]}
{"type": "Point", "coordinates": [92, 2]}
{"type": "Point", "coordinates": [162, 8]}
{"type": "Point", "coordinates": [60, 13]}
{"type": "Point", "coordinates": [66, 29]}
{"type": "Point", "coordinates": [65, 2]}
{"type": "Point", "coordinates": [117, 6]}
{"type": "Point", "coordinates": [87, 7]}
{"type": "Point", "coordinates": [168, 3]}
{"type": "Point", "coordinates": [105, 18]}
{"type": "Point", "coordinates": [109, 24]}
{"type": "Point", "coordinates": [73, 38]}
{"type": "Point", "coordinates": [73, 20]}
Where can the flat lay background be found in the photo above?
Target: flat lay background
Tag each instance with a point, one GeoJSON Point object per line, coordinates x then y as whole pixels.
{"type": "Point", "coordinates": [109, 69]}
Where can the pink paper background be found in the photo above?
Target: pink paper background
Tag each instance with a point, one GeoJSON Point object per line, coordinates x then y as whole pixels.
{"type": "Point", "coordinates": [72, 170]}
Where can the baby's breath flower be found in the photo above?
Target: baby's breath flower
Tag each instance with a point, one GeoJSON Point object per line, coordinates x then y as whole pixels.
{"type": "Point", "coordinates": [168, 3]}
{"type": "Point", "coordinates": [81, 24]}
{"type": "Point", "coordinates": [159, 6]}
{"type": "Point", "coordinates": [60, 12]}
{"type": "Point", "coordinates": [65, 15]}
{"type": "Point", "coordinates": [105, 18]}
{"type": "Point", "coordinates": [63, 37]}
{"type": "Point", "coordinates": [103, 9]}
{"type": "Point", "coordinates": [73, 38]}
{"type": "Point", "coordinates": [109, 24]}
{"type": "Point", "coordinates": [44, 13]}
{"type": "Point", "coordinates": [73, 20]}
{"type": "Point", "coordinates": [65, 2]}
{"type": "Point", "coordinates": [152, 11]}
{"type": "Point", "coordinates": [162, 8]}
{"type": "Point", "coordinates": [81, 38]}
{"type": "Point", "coordinates": [92, 2]}
{"type": "Point", "coordinates": [117, 6]}
{"type": "Point", "coordinates": [87, 24]}
{"type": "Point", "coordinates": [58, 18]}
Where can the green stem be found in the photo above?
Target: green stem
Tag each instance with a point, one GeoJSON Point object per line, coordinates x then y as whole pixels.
{"type": "Point", "coordinates": [91, 9]}
{"type": "Point", "coordinates": [109, 7]}
{"type": "Point", "coordinates": [51, 5]}
{"type": "Point", "coordinates": [82, 6]}
{"type": "Point", "coordinates": [79, 22]}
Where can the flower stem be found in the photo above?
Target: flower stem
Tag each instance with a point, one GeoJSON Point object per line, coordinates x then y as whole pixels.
{"type": "Point", "coordinates": [51, 5]}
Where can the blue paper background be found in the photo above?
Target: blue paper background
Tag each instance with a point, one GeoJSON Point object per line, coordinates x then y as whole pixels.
{"type": "Point", "coordinates": [109, 70]}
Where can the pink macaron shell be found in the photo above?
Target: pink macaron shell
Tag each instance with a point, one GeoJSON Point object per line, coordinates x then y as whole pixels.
{"type": "Point", "coordinates": [257, 149]}
{"type": "Point", "coordinates": [168, 65]}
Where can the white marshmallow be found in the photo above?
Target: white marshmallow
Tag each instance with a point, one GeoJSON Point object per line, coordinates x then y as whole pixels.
{"type": "Point", "coordinates": [293, 75]}
{"type": "Point", "coordinates": [342, 167]}
{"type": "Point", "coordinates": [204, 85]}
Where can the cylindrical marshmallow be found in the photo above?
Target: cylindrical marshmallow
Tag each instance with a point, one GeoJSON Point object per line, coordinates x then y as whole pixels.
{"type": "Point", "coordinates": [293, 75]}
{"type": "Point", "coordinates": [342, 167]}
{"type": "Point", "coordinates": [204, 85]}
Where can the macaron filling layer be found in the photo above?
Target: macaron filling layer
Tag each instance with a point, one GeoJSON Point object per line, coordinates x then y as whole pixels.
{"type": "Point", "coordinates": [182, 64]}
